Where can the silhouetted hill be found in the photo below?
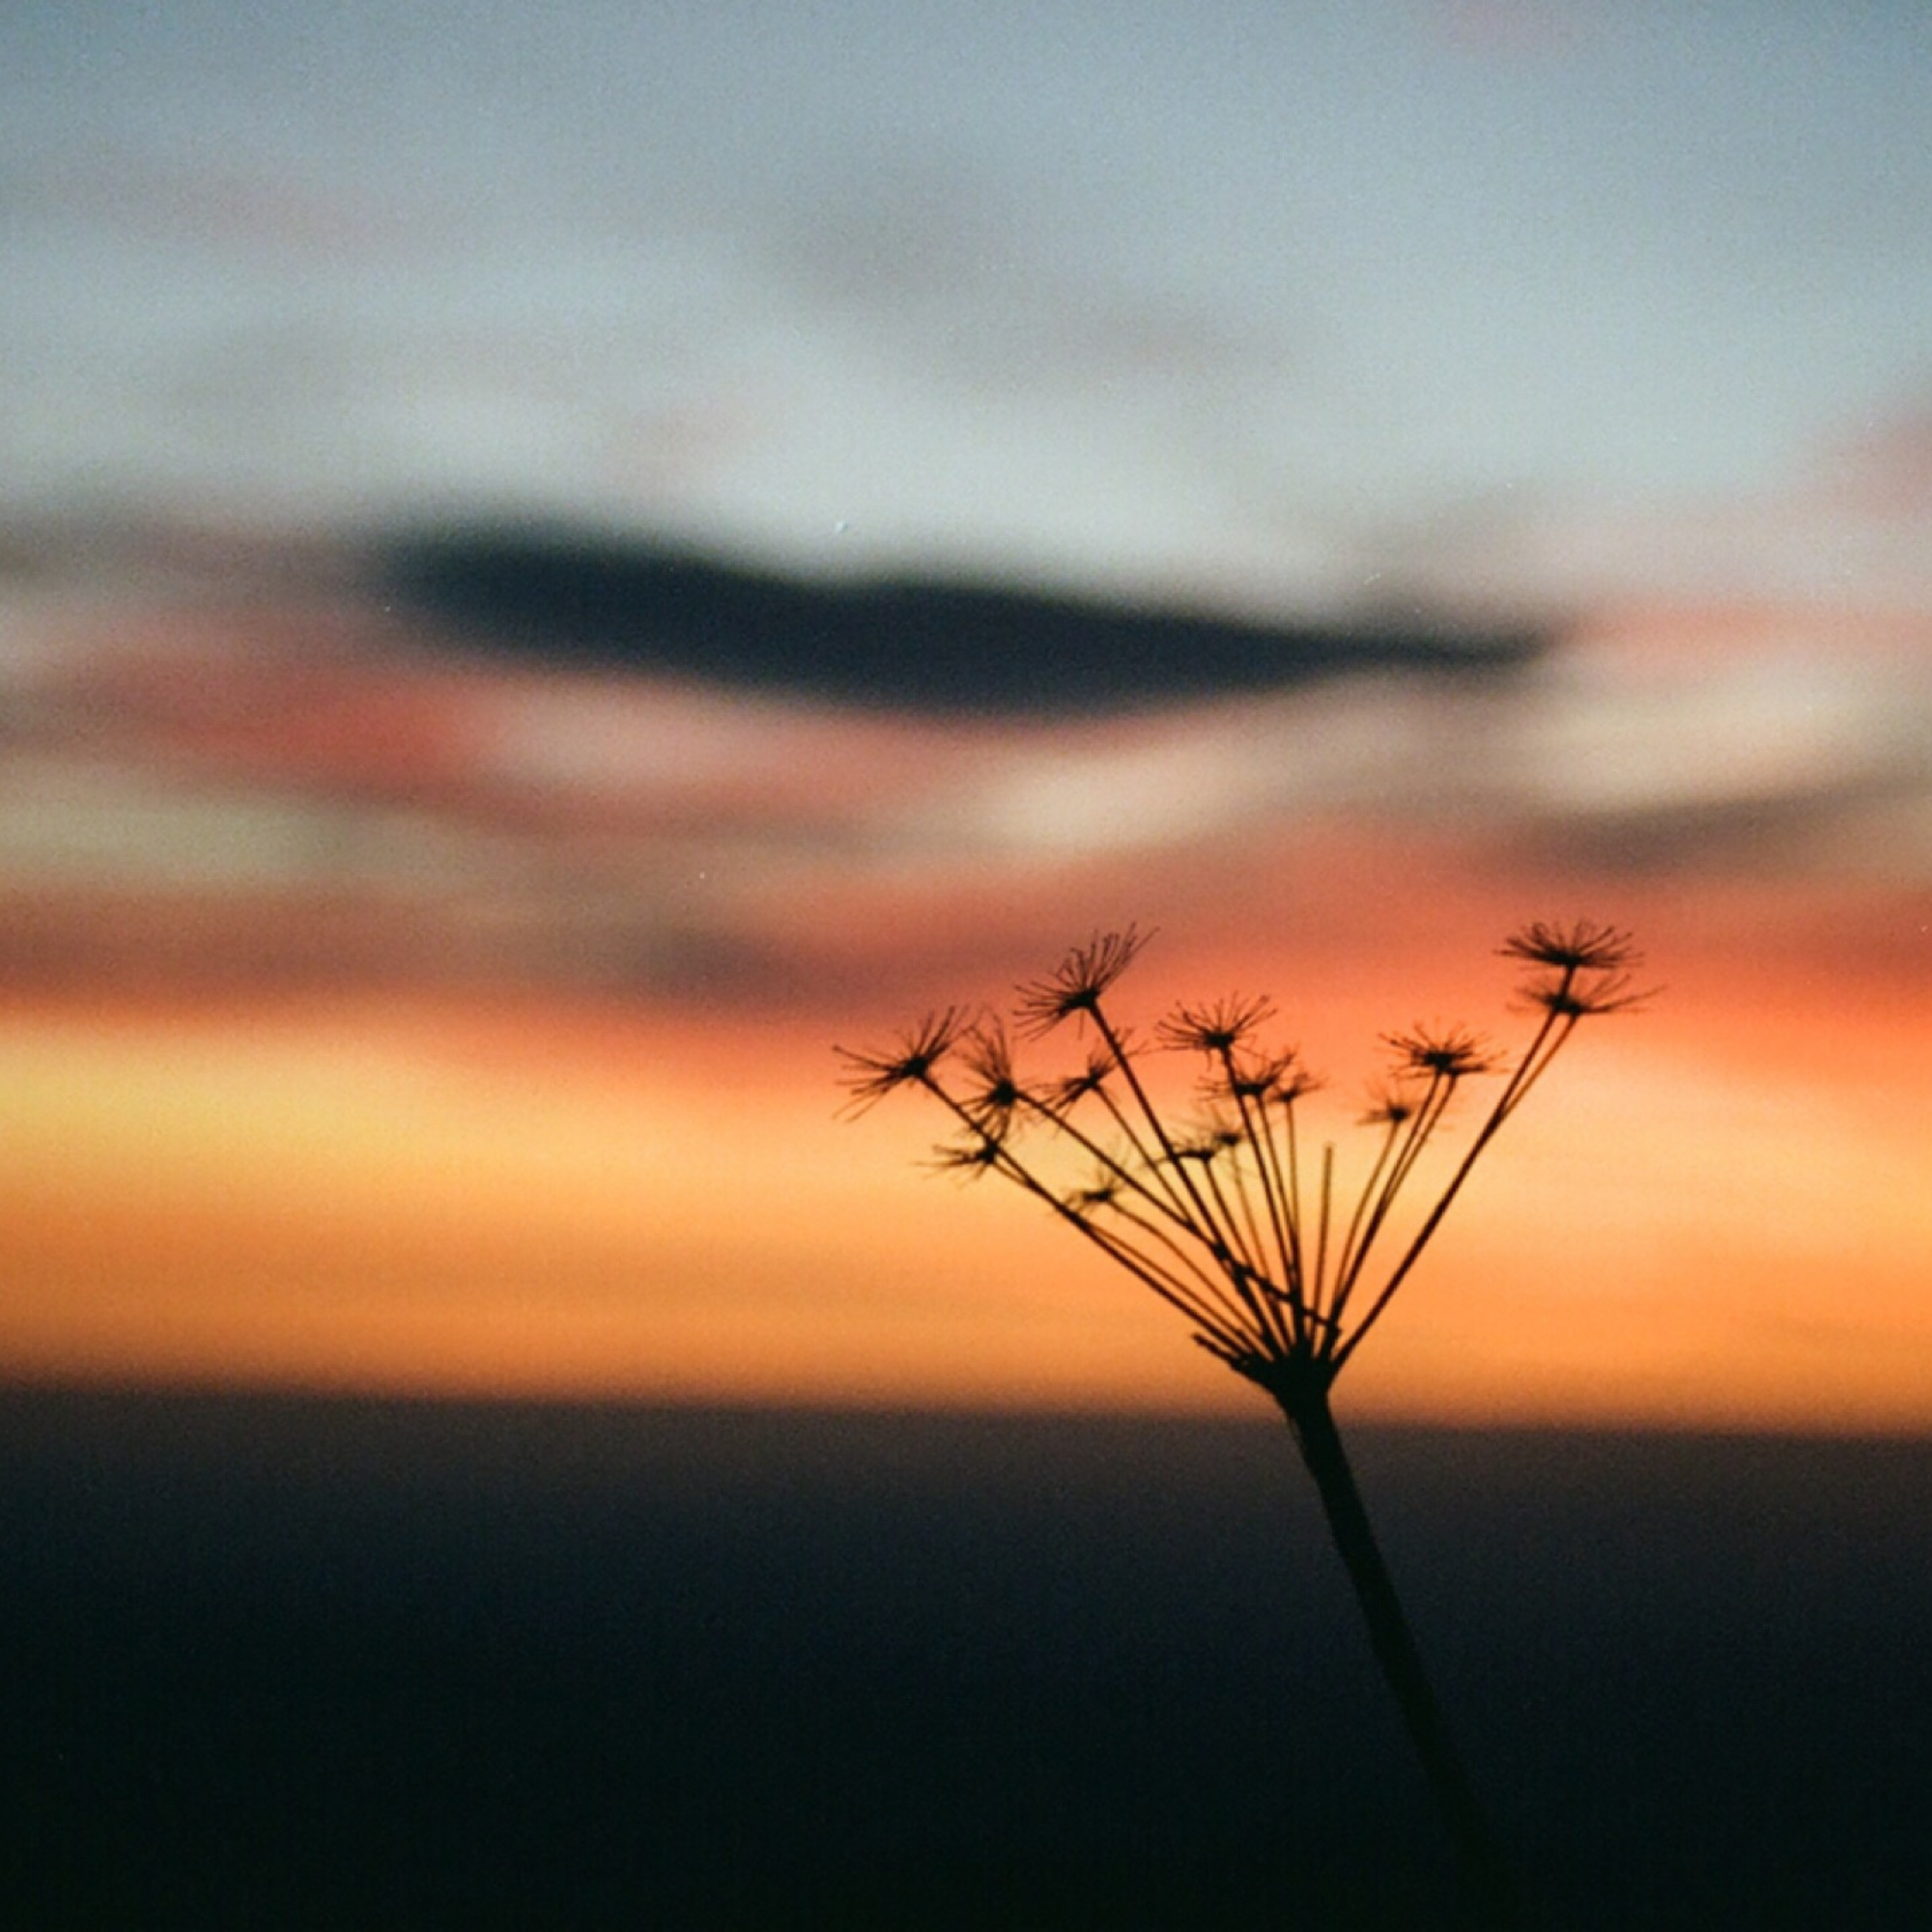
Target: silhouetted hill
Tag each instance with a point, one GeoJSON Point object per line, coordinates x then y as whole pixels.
{"type": "Point", "coordinates": [883, 641]}
{"type": "Point", "coordinates": [285, 1663]}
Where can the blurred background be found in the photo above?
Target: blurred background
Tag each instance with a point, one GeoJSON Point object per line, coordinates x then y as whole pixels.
{"type": "Point", "coordinates": [555, 563]}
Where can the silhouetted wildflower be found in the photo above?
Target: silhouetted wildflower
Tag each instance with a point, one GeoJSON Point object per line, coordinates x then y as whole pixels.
{"type": "Point", "coordinates": [1102, 1193]}
{"type": "Point", "coordinates": [1577, 947]}
{"type": "Point", "coordinates": [1584, 969]}
{"type": "Point", "coordinates": [1578, 998]}
{"type": "Point", "coordinates": [1075, 985]}
{"type": "Point", "coordinates": [1448, 1056]}
{"type": "Point", "coordinates": [1073, 1088]}
{"type": "Point", "coordinates": [1218, 1028]}
{"type": "Point", "coordinates": [912, 1061]}
{"type": "Point", "coordinates": [971, 1158]}
{"type": "Point", "coordinates": [1249, 1078]}
{"type": "Point", "coordinates": [1388, 1107]}
{"type": "Point", "coordinates": [995, 1094]}
{"type": "Point", "coordinates": [1228, 1219]}
{"type": "Point", "coordinates": [1250, 1241]}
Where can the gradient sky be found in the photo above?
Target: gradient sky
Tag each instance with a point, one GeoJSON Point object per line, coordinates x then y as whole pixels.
{"type": "Point", "coordinates": [375, 1011]}
{"type": "Point", "coordinates": [378, 1015]}
{"type": "Point", "coordinates": [1262, 301]}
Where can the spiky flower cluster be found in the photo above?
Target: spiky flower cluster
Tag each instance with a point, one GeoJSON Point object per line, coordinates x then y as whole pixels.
{"type": "Point", "coordinates": [1221, 1213]}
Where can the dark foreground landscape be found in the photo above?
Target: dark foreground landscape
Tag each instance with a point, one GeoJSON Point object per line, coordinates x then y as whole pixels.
{"type": "Point", "coordinates": [280, 1664]}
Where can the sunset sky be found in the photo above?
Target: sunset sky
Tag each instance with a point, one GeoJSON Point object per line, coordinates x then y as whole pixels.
{"type": "Point", "coordinates": [383, 1008]}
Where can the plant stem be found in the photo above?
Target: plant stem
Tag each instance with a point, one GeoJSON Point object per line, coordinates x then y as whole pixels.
{"type": "Point", "coordinates": [1487, 1880]}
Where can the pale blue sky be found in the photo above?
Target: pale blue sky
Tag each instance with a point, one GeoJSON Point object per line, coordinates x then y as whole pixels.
{"type": "Point", "coordinates": [1299, 295]}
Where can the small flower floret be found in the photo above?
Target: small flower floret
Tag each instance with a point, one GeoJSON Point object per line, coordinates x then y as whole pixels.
{"type": "Point", "coordinates": [1441, 1056]}
{"type": "Point", "coordinates": [995, 1092]}
{"type": "Point", "coordinates": [1584, 968]}
{"type": "Point", "coordinates": [1574, 999]}
{"type": "Point", "coordinates": [971, 1158]}
{"type": "Point", "coordinates": [1218, 1028]}
{"type": "Point", "coordinates": [1581, 946]}
{"type": "Point", "coordinates": [1075, 985]}
{"type": "Point", "coordinates": [1390, 1107]}
{"type": "Point", "coordinates": [1062, 1096]}
{"type": "Point", "coordinates": [912, 1061]}
{"type": "Point", "coordinates": [1262, 1076]}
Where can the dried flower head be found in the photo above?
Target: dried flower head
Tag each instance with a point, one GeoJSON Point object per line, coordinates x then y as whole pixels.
{"type": "Point", "coordinates": [1262, 1076]}
{"type": "Point", "coordinates": [912, 1061]}
{"type": "Point", "coordinates": [1104, 1191]}
{"type": "Point", "coordinates": [1581, 969]}
{"type": "Point", "coordinates": [1069, 1089]}
{"type": "Point", "coordinates": [1453, 1055]}
{"type": "Point", "coordinates": [1389, 1107]}
{"type": "Point", "coordinates": [1291, 1081]}
{"type": "Point", "coordinates": [1210, 1141]}
{"type": "Point", "coordinates": [969, 1156]}
{"type": "Point", "coordinates": [1218, 1028]}
{"type": "Point", "coordinates": [1580, 997]}
{"type": "Point", "coordinates": [1278, 1260]}
{"type": "Point", "coordinates": [1581, 946]}
{"type": "Point", "coordinates": [995, 1094]}
{"type": "Point", "coordinates": [1075, 985]}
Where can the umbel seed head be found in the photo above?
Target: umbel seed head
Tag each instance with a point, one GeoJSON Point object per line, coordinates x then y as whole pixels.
{"type": "Point", "coordinates": [1219, 1209]}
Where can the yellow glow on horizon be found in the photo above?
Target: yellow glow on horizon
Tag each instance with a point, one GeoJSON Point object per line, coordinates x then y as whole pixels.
{"type": "Point", "coordinates": [374, 1199]}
